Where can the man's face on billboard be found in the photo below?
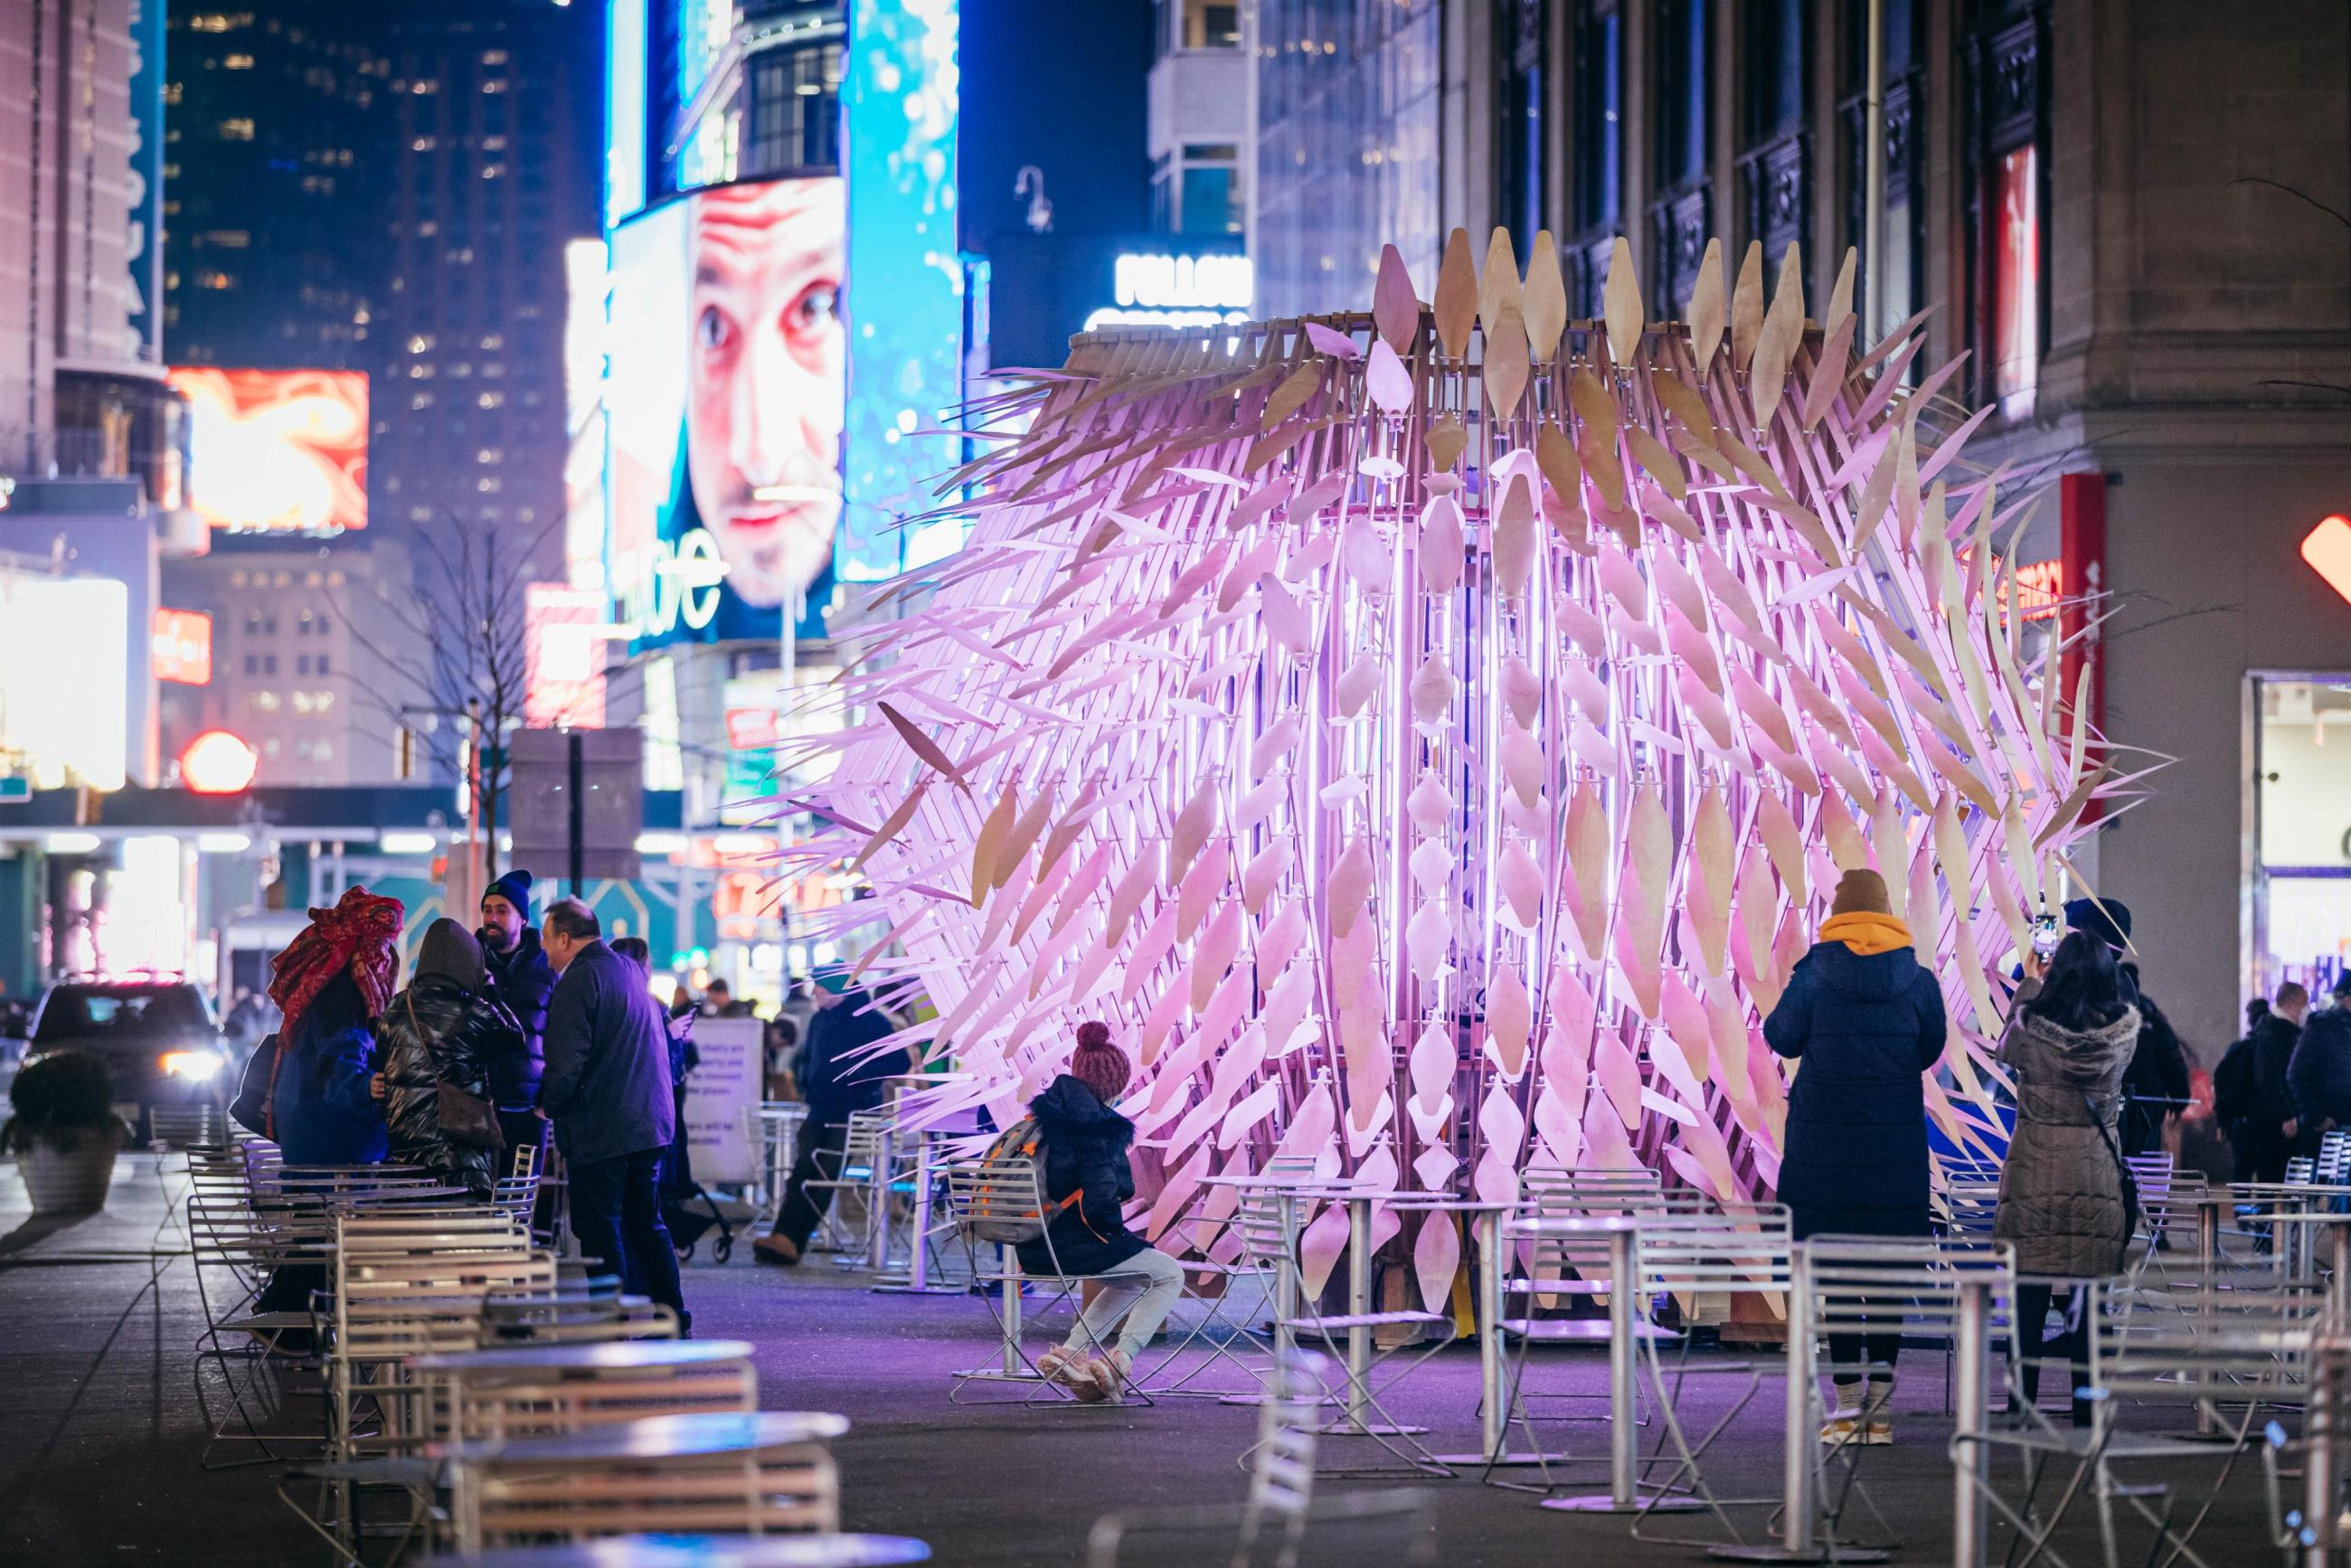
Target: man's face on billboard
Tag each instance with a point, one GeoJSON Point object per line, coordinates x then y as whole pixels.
{"type": "Point", "coordinates": [766, 375]}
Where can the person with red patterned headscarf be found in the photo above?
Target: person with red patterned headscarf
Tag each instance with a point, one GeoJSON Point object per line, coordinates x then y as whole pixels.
{"type": "Point", "coordinates": [331, 982]}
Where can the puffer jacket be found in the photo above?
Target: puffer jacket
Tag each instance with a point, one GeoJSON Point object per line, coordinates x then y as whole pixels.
{"type": "Point", "coordinates": [1085, 1157]}
{"type": "Point", "coordinates": [2318, 1074]}
{"type": "Point", "coordinates": [2061, 1192]}
{"type": "Point", "coordinates": [1866, 1027]}
{"type": "Point", "coordinates": [437, 1032]}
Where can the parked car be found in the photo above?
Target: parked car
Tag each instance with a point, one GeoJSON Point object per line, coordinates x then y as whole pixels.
{"type": "Point", "coordinates": [159, 1041]}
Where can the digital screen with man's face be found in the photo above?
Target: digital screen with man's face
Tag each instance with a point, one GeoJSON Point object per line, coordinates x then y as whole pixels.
{"type": "Point", "coordinates": [728, 372]}
{"type": "Point", "coordinates": [765, 381]}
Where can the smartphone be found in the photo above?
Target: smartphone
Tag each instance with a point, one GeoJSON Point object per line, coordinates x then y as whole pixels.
{"type": "Point", "coordinates": [2045, 936]}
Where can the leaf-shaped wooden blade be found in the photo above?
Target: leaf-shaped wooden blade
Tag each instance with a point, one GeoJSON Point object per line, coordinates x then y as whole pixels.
{"type": "Point", "coordinates": [1430, 805]}
{"type": "Point", "coordinates": [1395, 309]}
{"type": "Point", "coordinates": [1705, 309]}
{"type": "Point", "coordinates": [1621, 303]}
{"type": "Point", "coordinates": [891, 825]}
{"type": "Point", "coordinates": [1504, 370]}
{"type": "Point", "coordinates": [1544, 307]}
{"type": "Point", "coordinates": [1440, 548]}
{"type": "Point", "coordinates": [1776, 340]}
{"type": "Point", "coordinates": [1840, 309]}
{"type": "Point", "coordinates": [1456, 295]}
{"type": "Point", "coordinates": [1515, 539]}
{"type": "Point", "coordinates": [1292, 394]}
{"type": "Point", "coordinates": [1747, 308]}
{"type": "Point", "coordinates": [1447, 439]}
{"type": "Point", "coordinates": [1387, 381]}
{"type": "Point", "coordinates": [993, 833]}
{"type": "Point", "coordinates": [1497, 286]}
{"type": "Point", "coordinates": [1510, 1020]}
{"type": "Point", "coordinates": [924, 747]}
{"type": "Point", "coordinates": [1193, 825]}
{"type": "Point", "coordinates": [1356, 684]}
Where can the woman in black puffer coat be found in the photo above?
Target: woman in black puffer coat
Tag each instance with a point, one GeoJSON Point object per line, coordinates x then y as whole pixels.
{"type": "Point", "coordinates": [448, 1027]}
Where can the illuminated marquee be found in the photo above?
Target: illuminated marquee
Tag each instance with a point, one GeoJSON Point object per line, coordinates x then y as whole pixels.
{"type": "Point", "coordinates": [675, 586]}
{"type": "Point", "coordinates": [1179, 291]}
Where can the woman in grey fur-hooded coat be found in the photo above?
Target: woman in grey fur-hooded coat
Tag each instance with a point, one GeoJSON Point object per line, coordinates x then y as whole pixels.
{"type": "Point", "coordinates": [2061, 1192]}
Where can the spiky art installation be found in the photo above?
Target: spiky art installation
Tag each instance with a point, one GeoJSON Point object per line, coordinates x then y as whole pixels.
{"type": "Point", "coordinates": [1430, 737]}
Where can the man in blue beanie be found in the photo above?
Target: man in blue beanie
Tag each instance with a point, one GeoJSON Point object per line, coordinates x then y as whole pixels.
{"type": "Point", "coordinates": [523, 980]}
{"type": "Point", "coordinates": [2155, 1084]}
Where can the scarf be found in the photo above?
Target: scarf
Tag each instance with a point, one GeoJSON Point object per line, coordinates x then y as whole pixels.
{"type": "Point", "coordinates": [1866, 932]}
{"type": "Point", "coordinates": [355, 938]}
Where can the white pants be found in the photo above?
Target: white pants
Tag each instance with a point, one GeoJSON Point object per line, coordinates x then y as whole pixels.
{"type": "Point", "coordinates": [1149, 1282]}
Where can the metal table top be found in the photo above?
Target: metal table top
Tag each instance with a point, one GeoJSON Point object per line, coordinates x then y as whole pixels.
{"type": "Point", "coordinates": [704, 1552]}
{"type": "Point", "coordinates": [616, 1354]}
{"type": "Point", "coordinates": [657, 1437]}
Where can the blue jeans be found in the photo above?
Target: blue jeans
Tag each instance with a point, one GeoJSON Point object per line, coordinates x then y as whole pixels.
{"type": "Point", "coordinates": [616, 1214]}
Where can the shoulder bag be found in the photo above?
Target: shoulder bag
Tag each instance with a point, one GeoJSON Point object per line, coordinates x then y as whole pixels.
{"type": "Point", "coordinates": [464, 1118]}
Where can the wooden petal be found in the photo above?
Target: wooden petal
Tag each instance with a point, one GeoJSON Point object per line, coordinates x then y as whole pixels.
{"type": "Point", "coordinates": [1544, 308]}
{"type": "Point", "coordinates": [1555, 455]}
{"type": "Point", "coordinates": [1685, 403]}
{"type": "Point", "coordinates": [923, 746]}
{"type": "Point", "coordinates": [1840, 309]}
{"type": "Point", "coordinates": [1447, 439]}
{"type": "Point", "coordinates": [1504, 370]}
{"type": "Point", "coordinates": [1776, 340]}
{"type": "Point", "coordinates": [1828, 371]}
{"type": "Point", "coordinates": [891, 825]}
{"type": "Point", "coordinates": [1704, 308]}
{"type": "Point", "coordinates": [1747, 308]}
{"type": "Point", "coordinates": [1435, 1255]}
{"type": "Point", "coordinates": [1387, 381]}
{"type": "Point", "coordinates": [1290, 396]}
{"type": "Point", "coordinates": [1658, 459]}
{"type": "Point", "coordinates": [1498, 287]}
{"type": "Point", "coordinates": [1621, 303]}
{"type": "Point", "coordinates": [1456, 295]}
{"type": "Point", "coordinates": [1440, 548]}
{"type": "Point", "coordinates": [1515, 537]}
{"type": "Point", "coordinates": [1395, 309]}
{"type": "Point", "coordinates": [1328, 340]}
{"type": "Point", "coordinates": [1193, 825]}
{"type": "Point", "coordinates": [993, 831]}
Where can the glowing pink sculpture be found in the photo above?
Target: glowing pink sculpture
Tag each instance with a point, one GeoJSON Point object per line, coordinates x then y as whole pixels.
{"type": "Point", "coordinates": [1430, 737]}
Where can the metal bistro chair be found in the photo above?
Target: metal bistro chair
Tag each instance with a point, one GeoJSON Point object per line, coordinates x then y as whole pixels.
{"type": "Point", "coordinates": [2315, 1526]}
{"type": "Point", "coordinates": [1001, 1191]}
{"type": "Point", "coordinates": [2215, 1344]}
{"type": "Point", "coordinates": [1743, 1248]}
{"type": "Point", "coordinates": [1269, 1223]}
{"type": "Point", "coordinates": [1275, 1522]}
{"type": "Point", "coordinates": [853, 1170]}
{"type": "Point", "coordinates": [1877, 1286]}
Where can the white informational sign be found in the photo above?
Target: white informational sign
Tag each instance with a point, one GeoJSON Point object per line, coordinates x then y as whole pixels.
{"type": "Point", "coordinates": [719, 1094]}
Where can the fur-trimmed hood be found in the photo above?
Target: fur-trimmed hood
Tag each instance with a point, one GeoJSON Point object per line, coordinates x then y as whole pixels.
{"type": "Point", "coordinates": [2082, 1056]}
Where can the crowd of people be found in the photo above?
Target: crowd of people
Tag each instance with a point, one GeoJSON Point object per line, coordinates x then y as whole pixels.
{"type": "Point", "coordinates": [502, 1032]}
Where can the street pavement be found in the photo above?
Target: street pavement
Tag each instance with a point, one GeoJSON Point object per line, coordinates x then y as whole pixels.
{"type": "Point", "coordinates": [101, 1426]}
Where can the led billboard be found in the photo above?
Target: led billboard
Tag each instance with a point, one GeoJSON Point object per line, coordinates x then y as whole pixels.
{"type": "Point", "coordinates": [725, 402]}
{"type": "Point", "coordinates": [276, 451]}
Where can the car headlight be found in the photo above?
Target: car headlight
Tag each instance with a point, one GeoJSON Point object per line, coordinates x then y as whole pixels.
{"type": "Point", "coordinates": [193, 1065]}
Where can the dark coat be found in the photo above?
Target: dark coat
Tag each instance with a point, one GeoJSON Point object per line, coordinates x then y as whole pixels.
{"type": "Point", "coordinates": [2319, 1073]}
{"type": "Point", "coordinates": [607, 1087]}
{"type": "Point", "coordinates": [2273, 1040]}
{"type": "Point", "coordinates": [832, 1078]}
{"type": "Point", "coordinates": [2060, 1189]}
{"type": "Point", "coordinates": [1085, 1153]}
{"type": "Point", "coordinates": [437, 1032]}
{"type": "Point", "coordinates": [1865, 1029]}
{"type": "Point", "coordinates": [2158, 1072]}
{"type": "Point", "coordinates": [524, 981]}
{"type": "Point", "coordinates": [322, 1111]}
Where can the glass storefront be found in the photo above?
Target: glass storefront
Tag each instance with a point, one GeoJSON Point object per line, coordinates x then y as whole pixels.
{"type": "Point", "coordinates": [2300, 830]}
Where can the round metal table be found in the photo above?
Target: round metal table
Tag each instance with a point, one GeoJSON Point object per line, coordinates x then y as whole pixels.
{"type": "Point", "coordinates": [704, 1552]}
{"type": "Point", "coordinates": [615, 1354]}
{"type": "Point", "coordinates": [657, 1437]}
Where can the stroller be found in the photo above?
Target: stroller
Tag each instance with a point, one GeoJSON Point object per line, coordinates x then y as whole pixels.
{"type": "Point", "coordinates": [687, 1208]}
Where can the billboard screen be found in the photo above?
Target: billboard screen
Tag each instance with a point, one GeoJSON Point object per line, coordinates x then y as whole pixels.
{"type": "Point", "coordinates": [725, 402]}
{"type": "Point", "coordinates": [276, 451]}
{"type": "Point", "coordinates": [184, 647]}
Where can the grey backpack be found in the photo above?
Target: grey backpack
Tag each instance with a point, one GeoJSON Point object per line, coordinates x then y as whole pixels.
{"type": "Point", "coordinates": [1006, 1216]}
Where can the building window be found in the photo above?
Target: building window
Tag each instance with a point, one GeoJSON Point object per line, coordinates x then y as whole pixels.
{"type": "Point", "coordinates": [1775, 68]}
{"type": "Point", "coordinates": [1772, 167]}
{"type": "Point", "coordinates": [1898, 282]}
{"type": "Point", "coordinates": [2006, 257]}
{"type": "Point", "coordinates": [1680, 219]}
{"type": "Point", "coordinates": [2014, 263]}
{"type": "Point", "coordinates": [239, 129]}
{"type": "Point", "coordinates": [1596, 204]}
{"type": "Point", "coordinates": [794, 111]}
{"type": "Point", "coordinates": [1523, 128]}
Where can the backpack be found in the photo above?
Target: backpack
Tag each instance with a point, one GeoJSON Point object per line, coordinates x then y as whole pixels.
{"type": "Point", "coordinates": [2235, 1087]}
{"type": "Point", "coordinates": [1023, 1140]}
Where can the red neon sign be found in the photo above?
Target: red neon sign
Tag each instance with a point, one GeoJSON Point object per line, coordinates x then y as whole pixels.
{"type": "Point", "coordinates": [183, 647]}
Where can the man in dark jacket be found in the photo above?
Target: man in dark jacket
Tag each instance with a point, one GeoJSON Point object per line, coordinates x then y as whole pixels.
{"type": "Point", "coordinates": [1867, 1022]}
{"type": "Point", "coordinates": [836, 1077]}
{"type": "Point", "coordinates": [524, 980]}
{"type": "Point", "coordinates": [2319, 1075]}
{"type": "Point", "coordinates": [607, 1089]}
{"type": "Point", "coordinates": [2261, 1109]}
{"type": "Point", "coordinates": [2155, 1085]}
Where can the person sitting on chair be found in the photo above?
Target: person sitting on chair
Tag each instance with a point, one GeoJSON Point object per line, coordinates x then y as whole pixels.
{"type": "Point", "coordinates": [840, 1074]}
{"type": "Point", "coordinates": [1088, 1183]}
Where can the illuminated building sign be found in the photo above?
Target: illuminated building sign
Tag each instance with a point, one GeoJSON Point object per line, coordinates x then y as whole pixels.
{"type": "Point", "coordinates": [1179, 291]}
{"type": "Point", "coordinates": [277, 451]}
{"type": "Point", "coordinates": [182, 650]}
{"type": "Point", "coordinates": [64, 717]}
{"type": "Point", "coordinates": [2327, 549]}
{"type": "Point", "coordinates": [901, 95]}
{"type": "Point", "coordinates": [564, 632]}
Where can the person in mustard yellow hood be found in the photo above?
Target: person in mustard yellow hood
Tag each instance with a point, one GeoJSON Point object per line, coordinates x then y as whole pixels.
{"type": "Point", "coordinates": [1866, 1021]}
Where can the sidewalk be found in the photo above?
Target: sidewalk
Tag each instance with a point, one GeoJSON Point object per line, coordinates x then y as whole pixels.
{"type": "Point", "coordinates": [101, 1429]}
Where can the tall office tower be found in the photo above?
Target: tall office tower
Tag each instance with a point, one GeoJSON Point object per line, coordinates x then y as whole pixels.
{"type": "Point", "coordinates": [492, 152]}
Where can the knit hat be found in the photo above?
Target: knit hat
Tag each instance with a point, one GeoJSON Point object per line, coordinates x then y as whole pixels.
{"type": "Point", "coordinates": [2107, 919]}
{"type": "Point", "coordinates": [515, 888]}
{"type": "Point", "coordinates": [452, 952]}
{"type": "Point", "coordinates": [2342, 988]}
{"type": "Point", "coordinates": [1861, 891]}
{"type": "Point", "coordinates": [1097, 1064]}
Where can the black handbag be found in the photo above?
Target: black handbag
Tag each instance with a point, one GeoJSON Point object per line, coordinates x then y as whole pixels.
{"type": "Point", "coordinates": [463, 1117]}
{"type": "Point", "coordinates": [250, 1108]}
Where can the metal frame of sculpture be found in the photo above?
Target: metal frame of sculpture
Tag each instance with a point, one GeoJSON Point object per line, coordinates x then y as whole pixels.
{"type": "Point", "coordinates": [1430, 737]}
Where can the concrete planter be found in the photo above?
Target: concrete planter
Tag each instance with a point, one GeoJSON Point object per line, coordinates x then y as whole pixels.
{"type": "Point", "coordinates": [73, 1179]}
